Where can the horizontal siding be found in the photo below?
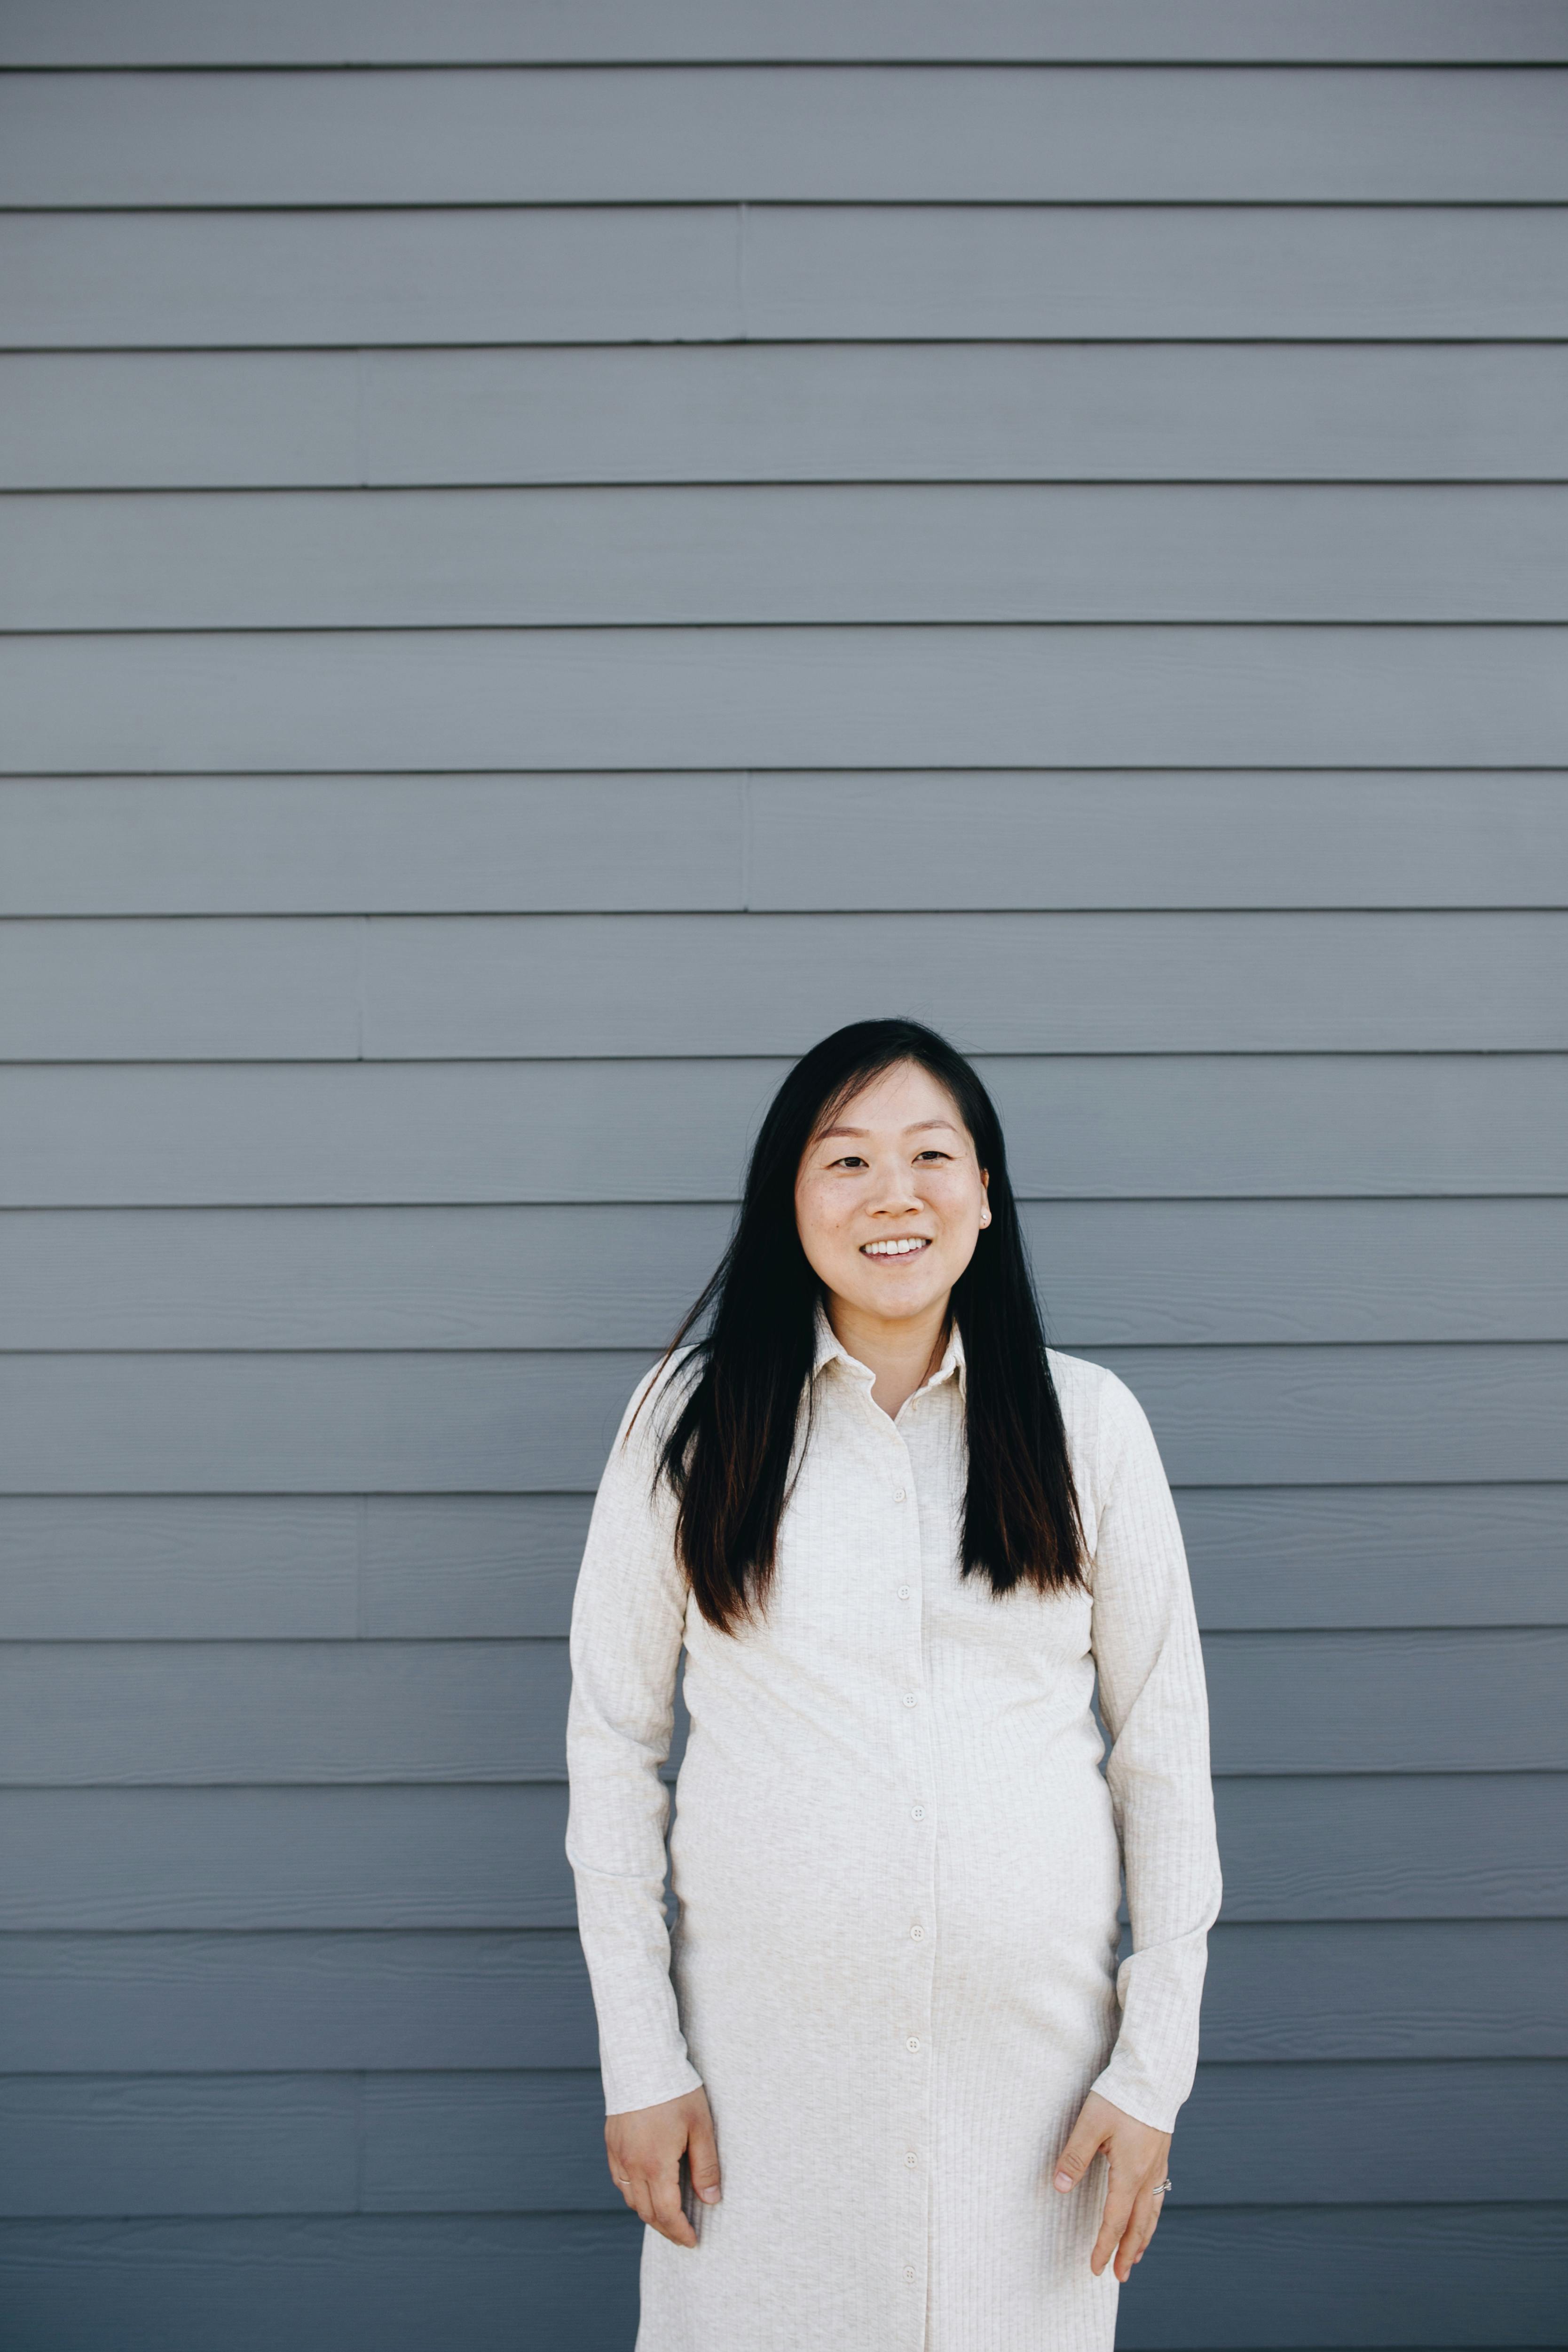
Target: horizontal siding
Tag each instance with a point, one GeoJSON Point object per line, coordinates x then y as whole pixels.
{"type": "Point", "coordinates": [367, 2283]}
{"type": "Point", "coordinates": [150, 280]}
{"type": "Point", "coordinates": [79, 33]}
{"type": "Point", "coordinates": [1120, 1273]}
{"type": "Point", "coordinates": [562, 986]}
{"type": "Point", "coordinates": [239, 2002]}
{"type": "Point", "coordinates": [497, 1422]}
{"type": "Point", "coordinates": [560, 844]}
{"type": "Point", "coordinates": [1338, 1846]}
{"type": "Point", "coordinates": [614, 557]}
{"type": "Point", "coordinates": [782, 133]}
{"type": "Point", "coordinates": [384, 1999]}
{"type": "Point", "coordinates": [782, 412]}
{"type": "Point", "coordinates": [800, 695]}
{"type": "Point", "coordinates": [90, 1714]}
{"type": "Point", "coordinates": [384, 2283]}
{"type": "Point", "coordinates": [1135, 1126]}
{"type": "Point", "coordinates": [1370, 2134]}
{"type": "Point", "coordinates": [191, 1714]}
{"type": "Point", "coordinates": [588, 577]}
{"type": "Point", "coordinates": [197, 1568]}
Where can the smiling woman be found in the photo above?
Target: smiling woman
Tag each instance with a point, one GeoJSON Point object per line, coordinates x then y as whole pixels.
{"type": "Point", "coordinates": [854, 2094]}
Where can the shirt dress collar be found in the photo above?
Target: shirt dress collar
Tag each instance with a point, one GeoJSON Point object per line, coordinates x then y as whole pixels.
{"type": "Point", "coordinates": [831, 1348]}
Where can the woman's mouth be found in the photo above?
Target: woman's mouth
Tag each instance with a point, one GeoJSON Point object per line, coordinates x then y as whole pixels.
{"type": "Point", "coordinates": [910, 1246]}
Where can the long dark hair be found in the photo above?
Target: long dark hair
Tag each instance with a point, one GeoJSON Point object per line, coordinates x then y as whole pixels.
{"type": "Point", "coordinates": [736, 1399]}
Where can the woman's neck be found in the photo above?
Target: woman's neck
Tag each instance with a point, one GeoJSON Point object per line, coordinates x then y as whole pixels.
{"type": "Point", "coordinates": [901, 1355]}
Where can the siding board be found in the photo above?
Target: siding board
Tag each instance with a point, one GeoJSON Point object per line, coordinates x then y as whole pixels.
{"type": "Point", "coordinates": [1389, 1988]}
{"type": "Point", "coordinates": [154, 281]}
{"type": "Point", "coordinates": [497, 1422]}
{"type": "Point", "coordinates": [301, 2002]}
{"type": "Point", "coordinates": [520, 843]}
{"type": "Point", "coordinates": [564, 986]}
{"type": "Point", "coordinates": [329, 845]}
{"type": "Point", "coordinates": [1132, 1126]}
{"type": "Point", "coordinates": [364, 2284]}
{"type": "Point", "coordinates": [196, 1568]}
{"type": "Point", "coordinates": [242, 2003]}
{"type": "Point", "coordinates": [384, 2283]}
{"type": "Point", "coordinates": [249, 1714]}
{"type": "Point", "coordinates": [614, 557]}
{"type": "Point", "coordinates": [193, 1713]}
{"type": "Point", "coordinates": [783, 133]}
{"type": "Point", "coordinates": [1114, 1274]}
{"type": "Point", "coordinates": [193, 1567]}
{"type": "Point", "coordinates": [507, 2142]}
{"type": "Point", "coordinates": [851, 412]}
{"type": "Point", "coordinates": [80, 33]}
{"type": "Point", "coordinates": [798, 697]}
{"type": "Point", "coordinates": [92, 2145]}
{"type": "Point", "coordinates": [1346, 1846]}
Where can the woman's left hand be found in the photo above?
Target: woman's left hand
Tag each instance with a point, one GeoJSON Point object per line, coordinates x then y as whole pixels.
{"type": "Point", "coordinates": [1138, 2155]}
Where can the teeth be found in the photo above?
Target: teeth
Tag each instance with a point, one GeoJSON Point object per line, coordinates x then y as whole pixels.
{"type": "Point", "coordinates": [893, 1249]}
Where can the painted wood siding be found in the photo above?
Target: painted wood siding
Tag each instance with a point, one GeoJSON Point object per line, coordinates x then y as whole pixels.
{"type": "Point", "coordinates": [539, 574]}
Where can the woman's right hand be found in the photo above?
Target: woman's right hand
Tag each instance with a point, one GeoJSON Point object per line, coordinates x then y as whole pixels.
{"type": "Point", "coordinates": [645, 2146]}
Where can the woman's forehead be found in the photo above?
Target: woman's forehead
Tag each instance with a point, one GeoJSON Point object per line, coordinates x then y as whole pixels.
{"type": "Point", "coordinates": [896, 1101]}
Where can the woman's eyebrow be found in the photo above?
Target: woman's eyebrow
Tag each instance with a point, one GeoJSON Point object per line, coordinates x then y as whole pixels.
{"type": "Point", "coordinates": [919, 1127]}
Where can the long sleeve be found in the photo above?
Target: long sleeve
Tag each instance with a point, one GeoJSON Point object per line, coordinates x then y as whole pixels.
{"type": "Point", "coordinates": [1154, 1699]}
{"type": "Point", "coordinates": [627, 1624]}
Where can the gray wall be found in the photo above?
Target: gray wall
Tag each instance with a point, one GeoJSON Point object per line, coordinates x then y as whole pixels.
{"type": "Point", "coordinates": [536, 592]}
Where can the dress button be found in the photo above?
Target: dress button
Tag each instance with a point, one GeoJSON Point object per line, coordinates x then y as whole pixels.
{"type": "Point", "coordinates": [910, 1698]}
{"type": "Point", "coordinates": [912, 2161]}
{"type": "Point", "coordinates": [898, 1494]}
{"type": "Point", "coordinates": [904, 1591]}
{"type": "Point", "coordinates": [913, 2042]}
{"type": "Point", "coordinates": [909, 2270]}
{"type": "Point", "coordinates": [917, 1812]}
{"type": "Point", "coordinates": [917, 1935]}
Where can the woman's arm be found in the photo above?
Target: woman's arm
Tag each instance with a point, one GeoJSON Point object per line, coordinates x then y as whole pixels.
{"type": "Point", "coordinates": [627, 1624]}
{"type": "Point", "coordinates": [1155, 1702]}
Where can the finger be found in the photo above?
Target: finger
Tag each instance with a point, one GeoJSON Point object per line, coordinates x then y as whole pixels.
{"type": "Point", "coordinates": [1082, 2146]}
{"type": "Point", "coordinates": [1146, 2215]}
{"type": "Point", "coordinates": [668, 2217]}
{"type": "Point", "coordinates": [1140, 2229]}
{"type": "Point", "coordinates": [640, 2196]}
{"type": "Point", "coordinates": [1119, 2201]}
{"type": "Point", "coordinates": [1129, 2248]}
{"type": "Point", "coordinates": [702, 2154]}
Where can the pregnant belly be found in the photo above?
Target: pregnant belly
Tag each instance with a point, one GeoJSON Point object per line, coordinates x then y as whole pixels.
{"type": "Point", "coordinates": [826, 1877]}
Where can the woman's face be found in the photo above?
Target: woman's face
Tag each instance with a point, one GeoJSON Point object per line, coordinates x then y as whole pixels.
{"type": "Point", "coordinates": [890, 1199]}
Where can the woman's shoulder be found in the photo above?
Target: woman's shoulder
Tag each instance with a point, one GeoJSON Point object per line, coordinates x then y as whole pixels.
{"type": "Point", "coordinates": [1097, 1405]}
{"type": "Point", "coordinates": [1083, 1383]}
{"type": "Point", "coordinates": [659, 1389]}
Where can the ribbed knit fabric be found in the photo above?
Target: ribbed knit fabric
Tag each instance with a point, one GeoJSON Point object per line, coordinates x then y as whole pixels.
{"type": "Point", "coordinates": [896, 1860]}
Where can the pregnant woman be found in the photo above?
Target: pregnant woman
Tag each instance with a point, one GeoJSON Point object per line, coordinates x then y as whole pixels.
{"type": "Point", "coordinates": [884, 2088]}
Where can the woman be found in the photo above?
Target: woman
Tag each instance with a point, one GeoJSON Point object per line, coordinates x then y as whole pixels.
{"type": "Point", "coordinates": [897, 1536]}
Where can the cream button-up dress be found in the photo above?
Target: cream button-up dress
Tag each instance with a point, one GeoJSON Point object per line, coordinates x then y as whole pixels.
{"type": "Point", "coordinates": [896, 1865]}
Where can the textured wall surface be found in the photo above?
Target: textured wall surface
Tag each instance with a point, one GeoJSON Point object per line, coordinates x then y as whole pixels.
{"type": "Point", "coordinates": [549, 554]}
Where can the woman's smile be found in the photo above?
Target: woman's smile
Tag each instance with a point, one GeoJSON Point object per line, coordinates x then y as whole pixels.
{"type": "Point", "coordinates": [906, 1246]}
